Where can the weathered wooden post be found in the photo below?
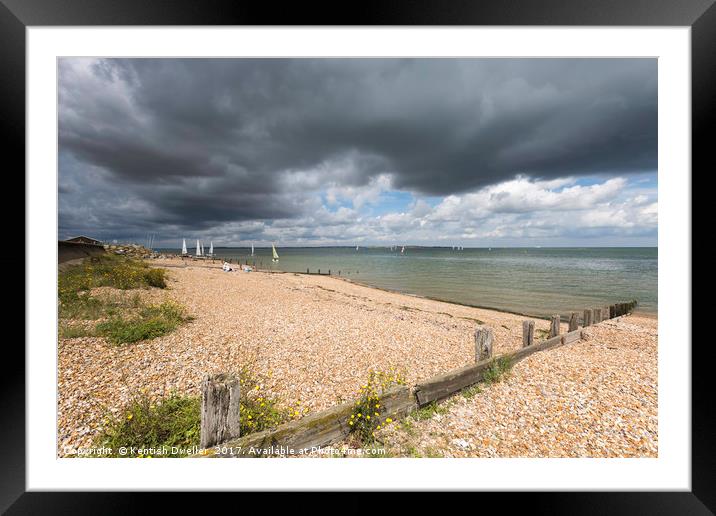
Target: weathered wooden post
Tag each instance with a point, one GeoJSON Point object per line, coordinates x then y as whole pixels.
{"type": "Point", "coordinates": [308, 271]}
{"type": "Point", "coordinates": [219, 409]}
{"type": "Point", "coordinates": [319, 271]}
{"type": "Point", "coordinates": [329, 272]}
{"type": "Point", "coordinates": [587, 320]}
{"type": "Point", "coordinates": [605, 313]}
{"type": "Point", "coordinates": [483, 343]}
{"type": "Point", "coordinates": [554, 326]}
{"type": "Point", "coordinates": [528, 333]}
{"type": "Point", "coordinates": [573, 322]}
{"type": "Point", "coordinates": [597, 315]}
{"type": "Point", "coordinates": [612, 311]}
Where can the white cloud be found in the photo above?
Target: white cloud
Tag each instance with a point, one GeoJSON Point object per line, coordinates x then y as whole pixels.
{"type": "Point", "coordinates": [517, 210]}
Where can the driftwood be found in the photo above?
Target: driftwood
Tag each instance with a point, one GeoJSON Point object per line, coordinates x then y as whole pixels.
{"type": "Point", "coordinates": [528, 333]}
{"type": "Point", "coordinates": [219, 409]}
{"type": "Point", "coordinates": [483, 343]}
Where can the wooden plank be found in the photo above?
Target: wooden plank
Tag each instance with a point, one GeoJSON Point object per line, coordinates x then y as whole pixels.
{"type": "Point", "coordinates": [597, 315]}
{"type": "Point", "coordinates": [551, 343]}
{"type": "Point", "coordinates": [319, 429]}
{"type": "Point", "coordinates": [528, 333]}
{"type": "Point", "coordinates": [442, 386]}
{"type": "Point", "coordinates": [219, 409]}
{"type": "Point", "coordinates": [483, 343]}
{"type": "Point", "coordinates": [572, 336]}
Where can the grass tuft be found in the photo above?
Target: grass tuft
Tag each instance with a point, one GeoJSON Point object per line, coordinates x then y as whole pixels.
{"type": "Point", "coordinates": [430, 410]}
{"type": "Point", "coordinates": [498, 368]}
{"type": "Point", "coordinates": [151, 322]}
{"type": "Point", "coordinates": [74, 283]}
{"type": "Point", "coordinates": [173, 422]}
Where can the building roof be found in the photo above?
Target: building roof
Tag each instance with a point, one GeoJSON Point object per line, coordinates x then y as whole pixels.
{"type": "Point", "coordinates": [84, 239]}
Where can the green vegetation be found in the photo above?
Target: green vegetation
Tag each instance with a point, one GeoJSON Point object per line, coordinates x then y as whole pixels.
{"type": "Point", "coordinates": [470, 392]}
{"type": "Point", "coordinates": [171, 424]}
{"type": "Point", "coordinates": [498, 368]}
{"type": "Point", "coordinates": [541, 334]}
{"type": "Point", "coordinates": [124, 317]}
{"type": "Point", "coordinates": [429, 410]}
{"type": "Point", "coordinates": [150, 322]}
{"type": "Point", "coordinates": [119, 272]}
{"type": "Point", "coordinates": [73, 331]}
{"type": "Point", "coordinates": [258, 410]}
{"type": "Point", "coordinates": [366, 417]}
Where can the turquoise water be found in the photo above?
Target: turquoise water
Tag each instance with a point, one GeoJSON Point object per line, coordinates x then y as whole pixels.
{"type": "Point", "coordinates": [535, 281]}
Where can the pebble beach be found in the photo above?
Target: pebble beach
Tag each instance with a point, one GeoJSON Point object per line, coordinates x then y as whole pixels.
{"type": "Point", "coordinates": [313, 340]}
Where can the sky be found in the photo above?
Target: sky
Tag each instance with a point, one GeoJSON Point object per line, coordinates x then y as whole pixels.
{"type": "Point", "coordinates": [309, 152]}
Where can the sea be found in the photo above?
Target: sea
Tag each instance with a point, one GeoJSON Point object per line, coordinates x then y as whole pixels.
{"type": "Point", "coordinates": [533, 281]}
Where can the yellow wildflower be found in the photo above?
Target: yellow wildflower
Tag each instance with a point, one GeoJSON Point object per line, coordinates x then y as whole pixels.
{"type": "Point", "coordinates": [388, 420]}
{"type": "Point", "coordinates": [129, 416]}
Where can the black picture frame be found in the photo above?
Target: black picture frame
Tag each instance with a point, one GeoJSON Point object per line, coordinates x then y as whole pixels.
{"type": "Point", "coordinates": [17, 15]}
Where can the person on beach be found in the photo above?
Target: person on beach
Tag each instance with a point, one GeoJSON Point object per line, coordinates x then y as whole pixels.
{"type": "Point", "coordinates": [226, 267]}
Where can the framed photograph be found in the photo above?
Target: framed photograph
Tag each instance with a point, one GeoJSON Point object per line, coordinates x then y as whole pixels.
{"type": "Point", "coordinates": [455, 240]}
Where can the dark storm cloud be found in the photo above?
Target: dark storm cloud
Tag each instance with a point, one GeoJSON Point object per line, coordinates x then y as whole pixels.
{"type": "Point", "coordinates": [205, 141]}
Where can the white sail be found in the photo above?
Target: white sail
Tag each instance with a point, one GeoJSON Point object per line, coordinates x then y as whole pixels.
{"type": "Point", "coordinates": [275, 254]}
{"type": "Point", "coordinates": [252, 249]}
{"type": "Point", "coordinates": [402, 251]}
{"type": "Point", "coordinates": [183, 246]}
{"type": "Point", "coordinates": [202, 248]}
{"type": "Point", "coordinates": [198, 248]}
{"type": "Point", "coordinates": [356, 248]}
{"type": "Point", "coordinates": [211, 248]}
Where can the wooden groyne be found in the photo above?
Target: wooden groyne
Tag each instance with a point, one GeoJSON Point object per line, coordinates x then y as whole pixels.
{"type": "Point", "coordinates": [332, 425]}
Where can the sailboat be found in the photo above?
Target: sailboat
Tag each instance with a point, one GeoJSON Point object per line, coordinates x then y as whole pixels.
{"type": "Point", "coordinates": [402, 251]}
{"type": "Point", "coordinates": [211, 248]}
{"type": "Point", "coordinates": [198, 248]}
{"type": "Point", "coordinates": [252, 249]}
{"type": "Point", "coordinates": [275, 254]}
{"type": "Point", "coordinates": [356, 248]}
{"type": "Point", "coordinates": [183, 247]}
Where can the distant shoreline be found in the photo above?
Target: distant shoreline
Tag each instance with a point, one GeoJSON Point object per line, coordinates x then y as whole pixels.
{"type": "Point", "coordinates": [638, 311]}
